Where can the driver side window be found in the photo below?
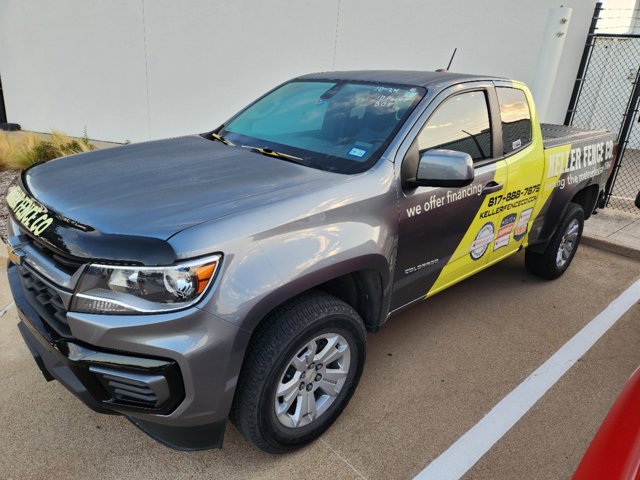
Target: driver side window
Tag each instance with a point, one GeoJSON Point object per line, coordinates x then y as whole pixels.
{"type": "Point", "coordinates": [461, 123]}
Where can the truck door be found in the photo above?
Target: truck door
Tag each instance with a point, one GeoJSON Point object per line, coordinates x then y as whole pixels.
{"type": "Point", "coordinates": [441, 237]}
{"type": "Point", "coordinates": [513, 209]}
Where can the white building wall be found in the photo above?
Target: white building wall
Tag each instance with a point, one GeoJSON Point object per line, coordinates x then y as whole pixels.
{"type": "Point", "coordinates": [73, 64]}
{"type": "Point", "coordinates": [140, 69]}
{"type": "Point", "coordinates": [209, 59]}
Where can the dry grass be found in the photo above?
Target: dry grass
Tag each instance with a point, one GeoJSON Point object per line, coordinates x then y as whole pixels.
{"type": "Point", "coordinates": [21, 151]}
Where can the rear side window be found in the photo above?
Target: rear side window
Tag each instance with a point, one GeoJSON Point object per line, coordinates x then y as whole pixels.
{"type": "Point", "coordinates": [516, 119]}
{"type": "Point", "coordinates": [461, 123]}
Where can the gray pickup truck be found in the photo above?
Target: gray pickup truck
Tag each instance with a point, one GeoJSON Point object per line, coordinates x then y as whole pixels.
{"type": "Point", "coordinates": [235, 273]}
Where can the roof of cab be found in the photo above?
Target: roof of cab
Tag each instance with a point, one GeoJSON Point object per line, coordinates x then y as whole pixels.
{"type": "Point", "coordinates": [398, 77]}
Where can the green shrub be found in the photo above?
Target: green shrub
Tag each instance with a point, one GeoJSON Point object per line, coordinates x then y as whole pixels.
{"type": "Point", "coordinates": [25, 149]}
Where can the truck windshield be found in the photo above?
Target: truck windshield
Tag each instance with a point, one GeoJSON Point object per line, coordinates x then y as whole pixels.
{"type": "Point", "coordinates": [336, 126]}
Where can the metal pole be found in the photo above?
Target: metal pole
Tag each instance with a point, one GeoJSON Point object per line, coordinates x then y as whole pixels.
{"type": "Point", "coordinates": [4, 125]}
{"type": "Point", "coordinates": [3, 113]}
{"type": "Point", "coordinates": [623, 134]}
{"type": "Point", "coordinates": [584, 62]}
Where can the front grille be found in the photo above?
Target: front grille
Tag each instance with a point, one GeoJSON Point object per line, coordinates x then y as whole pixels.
{"type": "Point", "coordinates": [66, 264]}
{"type": "Point", "coordinates": [46, 301]}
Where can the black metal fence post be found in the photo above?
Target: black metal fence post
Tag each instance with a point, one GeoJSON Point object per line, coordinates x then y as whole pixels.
{"type": "Point", "coordinates": [584, 62]}
{"type": "Point", "coordinates": [4, 125]}
{"type": "Point", "coordinates": [3, 113]}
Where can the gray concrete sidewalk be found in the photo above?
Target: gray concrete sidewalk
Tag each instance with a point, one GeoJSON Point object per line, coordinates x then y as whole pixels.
{"type": "Point", "coordinates": [615, 231]}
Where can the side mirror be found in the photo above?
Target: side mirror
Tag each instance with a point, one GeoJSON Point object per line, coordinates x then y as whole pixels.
{"type": "Point", "coordinates": [444, 168]}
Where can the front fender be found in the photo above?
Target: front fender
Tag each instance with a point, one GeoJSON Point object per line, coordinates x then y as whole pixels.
{"type": "Point", "coordinates": [257, 275]}
{"type": "Point", "coordinates": [312, 279]}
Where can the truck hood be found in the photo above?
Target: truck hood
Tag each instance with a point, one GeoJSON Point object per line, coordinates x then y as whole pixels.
{"type": "Point", "coordinates": [156, 189]}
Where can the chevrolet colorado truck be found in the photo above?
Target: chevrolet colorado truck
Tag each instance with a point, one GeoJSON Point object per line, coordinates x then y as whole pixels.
{"type": "Point", "coordinates": [235, 273]}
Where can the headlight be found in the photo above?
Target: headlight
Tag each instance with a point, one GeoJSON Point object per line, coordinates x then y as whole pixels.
{"type": "Point", "coordinates": [116, 289]}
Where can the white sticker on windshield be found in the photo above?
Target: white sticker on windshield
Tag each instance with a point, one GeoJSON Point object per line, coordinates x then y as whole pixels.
{"type": "Point", "coordinates": [357, 152]}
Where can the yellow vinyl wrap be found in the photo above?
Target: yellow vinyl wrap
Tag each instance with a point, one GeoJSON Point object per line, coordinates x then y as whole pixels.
{"type": "Point", "coordinates": [524, 176]}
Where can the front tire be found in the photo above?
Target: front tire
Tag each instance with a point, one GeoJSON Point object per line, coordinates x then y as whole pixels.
{"type": "Point", "coordinates": [559, 252]}
{"type": "Point", "coordinates": [300, 372]}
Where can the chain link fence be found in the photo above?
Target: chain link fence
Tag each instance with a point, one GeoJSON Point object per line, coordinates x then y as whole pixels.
{"type": "Point", "coordinates": [608, 90]}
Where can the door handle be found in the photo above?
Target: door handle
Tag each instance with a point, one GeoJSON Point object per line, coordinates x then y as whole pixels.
{"type": "Point", "coordinates": [492, 187]}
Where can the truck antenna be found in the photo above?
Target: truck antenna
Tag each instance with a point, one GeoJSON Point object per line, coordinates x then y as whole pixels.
{"type": "Point", "coordinates": [450, 62]}
{"type": "Point", "coordinates": [452, 55]}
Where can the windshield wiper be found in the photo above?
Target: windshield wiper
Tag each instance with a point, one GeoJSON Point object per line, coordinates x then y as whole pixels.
{"type": "Point", "coordinates": [220, 138]}
{"type": "Point", "coordinates": [273, 153]}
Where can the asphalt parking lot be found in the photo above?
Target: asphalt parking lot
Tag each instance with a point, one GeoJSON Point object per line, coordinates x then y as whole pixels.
{"type": "Point", "coordinates": [432, 373]}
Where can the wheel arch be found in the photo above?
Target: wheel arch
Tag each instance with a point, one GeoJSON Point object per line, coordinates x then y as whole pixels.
{"type": "Point", "coordinates": [363, 283]}
{"type": "Point", "coordinates": [587, 199]}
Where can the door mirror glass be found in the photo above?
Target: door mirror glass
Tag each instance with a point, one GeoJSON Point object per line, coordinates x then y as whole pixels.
{"type": "Point", "coordinates": [444, 168]}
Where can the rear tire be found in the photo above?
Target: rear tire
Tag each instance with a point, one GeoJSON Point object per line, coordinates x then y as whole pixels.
{"type": "Point", "coordinates": [561, 249]}
{"type": "Point", "coordinates": [300, 372]}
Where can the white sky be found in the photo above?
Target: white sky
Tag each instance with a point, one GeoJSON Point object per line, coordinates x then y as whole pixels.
{"type": "Point", "coordinates": [617, 16]}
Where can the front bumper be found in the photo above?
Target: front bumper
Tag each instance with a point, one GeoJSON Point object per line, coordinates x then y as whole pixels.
{"type": "Point", "coordinates": [166, 373]}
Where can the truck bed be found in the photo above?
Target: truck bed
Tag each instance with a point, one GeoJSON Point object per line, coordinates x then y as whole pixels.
{"type": "Point", "coordinates": [556, 135]}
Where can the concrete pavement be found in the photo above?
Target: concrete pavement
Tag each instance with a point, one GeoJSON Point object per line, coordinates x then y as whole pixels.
{"type": "Point", "coordinates": [432, 372]}
{"type": "Point", "coordinates": [614, 230]}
